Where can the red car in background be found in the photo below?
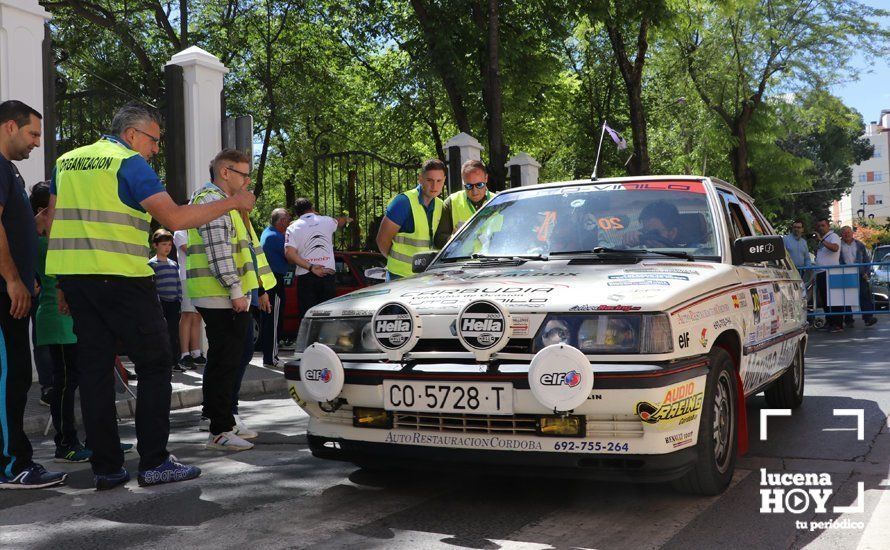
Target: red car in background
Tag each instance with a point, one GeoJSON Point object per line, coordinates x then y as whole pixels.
{"type": "Point", "coordinates": [350, 275]}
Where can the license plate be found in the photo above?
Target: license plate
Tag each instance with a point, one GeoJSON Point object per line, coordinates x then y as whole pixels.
{"type": "Point", "coordinates": [448, 397]}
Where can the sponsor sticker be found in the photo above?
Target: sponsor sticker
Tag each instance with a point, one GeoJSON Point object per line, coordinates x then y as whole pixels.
{"type": "Point", "coordinates": [484, 326]}
{"type": "Point", "coordinates": [704, 338]}
{"type": "Point", "coordinates": [396, 328]}
{"type": "Point", "coordinates": [679, 440]}
{"type": "Point", "coordinates": [604, 307]}
{"type": "Point", "coordinates": [650, 276]}
{"type": "Point", "coordinates": [679, 406]}
{"type": "Point", "coordinates": [560, 377]}
{"type": "Point", "coordinates": [722, 323]}
{"type": "Point", "coordinates": [639, 283]}
{"type": "Point", "coordinates": [687, 316]}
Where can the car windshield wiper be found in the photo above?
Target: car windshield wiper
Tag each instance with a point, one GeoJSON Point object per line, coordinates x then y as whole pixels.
{"type": "Point", "coordinates": [495, 258]}
{"type": "Point", "coordinates": [627, 251]}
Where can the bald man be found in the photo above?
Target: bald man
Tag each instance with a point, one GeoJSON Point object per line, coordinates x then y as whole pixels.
{"type": "Point", "coordinates": [272, 241]}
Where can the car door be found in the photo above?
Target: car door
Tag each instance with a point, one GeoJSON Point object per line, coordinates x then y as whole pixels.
{"type": "Point", "coordinates": [767, 288]}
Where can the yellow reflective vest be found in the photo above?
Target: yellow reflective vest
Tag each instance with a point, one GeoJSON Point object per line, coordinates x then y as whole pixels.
{"type": "Point", "coordinates": [406, 245]}
{"type": "Point", "coordinates": [462, 208]}
{"type": "Point", "coordinates": [200, 281]}
{"type": "Point", "coordinates": [94, 232]}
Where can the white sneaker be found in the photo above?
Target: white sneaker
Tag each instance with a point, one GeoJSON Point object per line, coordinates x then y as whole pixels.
{"type": "Point", "coordinates": [228, 441]}
{"type": "Point", "coordinates": [243, 431]}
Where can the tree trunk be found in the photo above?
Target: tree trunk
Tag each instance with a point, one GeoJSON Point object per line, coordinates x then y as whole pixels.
{"type": "Point", "coordinates": [444, 65]}
{"type": "Point", "coordinates": [497, 150]}
{"type": "Point", "coordinates": [739, 157]}
{"type": "Point", "coordinates": [639, 164]}
{"type": "Point", "coordinates": [183, 24]}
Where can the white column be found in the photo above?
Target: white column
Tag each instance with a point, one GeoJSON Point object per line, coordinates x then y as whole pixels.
{"type": "Point", "coordinates": [528, 168]}
{"type": "Point", "coordinates": [470, 149]}
{"type": "Point", "coordinates": [203, 83]}
{"type": "Point", "coordinates": [21, 68]}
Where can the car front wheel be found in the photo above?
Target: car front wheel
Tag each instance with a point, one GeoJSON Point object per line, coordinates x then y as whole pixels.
{"type": "Point", "coordinates": [787, 391]}
{"type": "Point", "coordinates": [717, 439]}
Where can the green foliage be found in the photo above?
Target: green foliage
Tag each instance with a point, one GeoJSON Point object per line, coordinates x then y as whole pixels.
{"type": "Point", "coordinates": [400, 78]}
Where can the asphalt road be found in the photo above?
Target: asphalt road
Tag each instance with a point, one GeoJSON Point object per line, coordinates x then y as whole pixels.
{"type": "Point", "coordinates": [278, 496]}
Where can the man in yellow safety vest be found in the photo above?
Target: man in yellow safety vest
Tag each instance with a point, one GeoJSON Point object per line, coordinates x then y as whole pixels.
{"type": "Point", "coordinates": [103, 197]}
{"type": "Point", "coordinates": [411, 221]}
{"type": "Point", "coordinates": [459, 207]}
{"type": "Point", "coordinates": [225, 263]}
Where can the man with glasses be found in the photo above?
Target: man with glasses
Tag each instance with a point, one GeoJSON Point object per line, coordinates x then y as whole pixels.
{"type": "Point", "coordinates": [796, 245]}
{"type": "Point", "coordinates": [225, 264]}
{"type": "Point", "coordinates": [459, 207]}
{"type": "Point", "coordinates": [103, 197]}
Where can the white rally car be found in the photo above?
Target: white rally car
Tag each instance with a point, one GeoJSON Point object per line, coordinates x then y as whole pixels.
{"type": "Point", "coordinates": [608, 328]}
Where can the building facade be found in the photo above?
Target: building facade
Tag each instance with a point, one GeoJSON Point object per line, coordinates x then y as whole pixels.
{"type": "Point", "coordinates": [870, 197]}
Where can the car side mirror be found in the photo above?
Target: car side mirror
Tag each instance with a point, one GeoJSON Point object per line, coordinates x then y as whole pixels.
{"type": "Point", "coordinates": [378, 273]}
{"type": "Point", "coordinates": [422, 260]}
{"type": "Point", "coordinates": [753, 250]}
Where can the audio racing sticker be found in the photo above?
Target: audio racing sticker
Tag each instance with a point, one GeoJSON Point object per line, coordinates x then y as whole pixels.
{"type": "Point", "coordinates": [679, 406]}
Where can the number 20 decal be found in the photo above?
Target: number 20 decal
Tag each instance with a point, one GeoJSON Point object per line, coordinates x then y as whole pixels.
{"type": "Point", "coordinates": [607, 224]}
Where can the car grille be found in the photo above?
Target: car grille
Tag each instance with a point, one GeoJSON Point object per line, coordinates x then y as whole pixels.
{"type": "Point", "coordinates": [465, 423]}
{"type": "Point", "coordinates": [598, 426]}
{"type": "Point", "coordinates": [453, 345]}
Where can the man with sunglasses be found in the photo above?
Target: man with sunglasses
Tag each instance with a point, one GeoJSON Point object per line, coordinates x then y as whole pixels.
{"type": "Point", "coordinates": [103, 197]}
{"type": "Point", "coordinates": [459, 207]}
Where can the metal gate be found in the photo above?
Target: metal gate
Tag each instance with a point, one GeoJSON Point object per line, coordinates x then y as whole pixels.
{"type": "Point", "coordinates": [359, 184]}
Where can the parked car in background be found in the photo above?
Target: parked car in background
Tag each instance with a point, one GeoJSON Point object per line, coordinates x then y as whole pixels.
{"type": "Point", "coordinates": [880, 277]}
{"type": "Point", "coordinates": [350, 267]}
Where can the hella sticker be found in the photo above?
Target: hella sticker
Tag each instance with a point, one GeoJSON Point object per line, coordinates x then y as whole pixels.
{"type": "Point", "coordinates": [484, 327]}
{"type": "Point", "coordinates": [396, 329]}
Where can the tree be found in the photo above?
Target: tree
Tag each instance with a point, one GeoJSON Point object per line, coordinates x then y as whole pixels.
{"type": "Point", "coordinates": [737, 52]}
{"type": "Point", "coordinates": [628, 24]}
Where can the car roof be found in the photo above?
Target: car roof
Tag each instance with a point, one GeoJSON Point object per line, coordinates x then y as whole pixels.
{"type": "Point", "coordinates": [717, 183]}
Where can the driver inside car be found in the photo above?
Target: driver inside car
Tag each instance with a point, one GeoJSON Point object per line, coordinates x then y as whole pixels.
{"type": "Point", "coordinates": [660, 223]}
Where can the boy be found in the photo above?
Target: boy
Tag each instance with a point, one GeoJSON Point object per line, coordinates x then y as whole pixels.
{"type": "Point", "coordinates": [168, 285]}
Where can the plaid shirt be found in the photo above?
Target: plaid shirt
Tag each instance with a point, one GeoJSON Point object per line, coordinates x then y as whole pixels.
{"type": "Point", "coordinates": [217, 237]}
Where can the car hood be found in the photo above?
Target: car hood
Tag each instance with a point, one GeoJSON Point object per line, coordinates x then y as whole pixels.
{"type": "Point", "coordinates": [540, 287]}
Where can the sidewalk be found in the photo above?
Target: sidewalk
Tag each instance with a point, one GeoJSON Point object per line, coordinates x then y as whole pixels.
{"type": "Point", "coordinates": [258, 380]}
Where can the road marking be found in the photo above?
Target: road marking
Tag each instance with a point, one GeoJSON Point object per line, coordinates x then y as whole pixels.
{"type": "Point", "coordinates": [766, 413]}
{"type": "Point", "coordinates": [860, 420]}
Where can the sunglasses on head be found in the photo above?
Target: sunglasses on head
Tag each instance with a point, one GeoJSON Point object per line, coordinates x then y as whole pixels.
{"type": "Point", "coordinates": [478, 185]}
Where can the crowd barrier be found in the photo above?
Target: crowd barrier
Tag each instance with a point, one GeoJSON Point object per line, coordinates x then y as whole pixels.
{"type": "Point", "coordinates": [848, 288]}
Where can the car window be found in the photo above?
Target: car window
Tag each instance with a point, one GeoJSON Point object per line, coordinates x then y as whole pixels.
{"type": "Point", "coordinates": [343, 274]}
{"type": "Point", "coordinates": [654, 215]}
{"type": "Point", "coordinates": [737, 227]}
{"type": "Point", "coordinates": [752, 218]}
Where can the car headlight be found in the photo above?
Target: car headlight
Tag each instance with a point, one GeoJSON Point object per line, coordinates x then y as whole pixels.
{"type": "Point", "coordinates": [343, 335]}
{"type": "Point", "coordinates": [608, 333]}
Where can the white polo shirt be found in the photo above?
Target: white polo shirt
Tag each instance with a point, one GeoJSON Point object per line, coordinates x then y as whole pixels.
{"type": "Point", "coordinates": [311, 236]}
{"type": "Point", "coordinates": [825, 256]}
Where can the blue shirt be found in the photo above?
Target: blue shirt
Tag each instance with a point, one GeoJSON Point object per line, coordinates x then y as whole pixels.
{"type": "Point", "coordinates": [18, 222]}
{"type": "Point", "coordinates": [399, 211]}
{"type": "Point", "coordinates": [273, 246]}
{"type": "Point", "coordinates": [167, 279]}
{"type": "Point", "coordinates": [798, 250]}
{"type": "Point", "coordinates": [136, 180]}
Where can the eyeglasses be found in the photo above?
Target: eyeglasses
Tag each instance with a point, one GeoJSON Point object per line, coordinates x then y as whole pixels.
{"type": "Point", "coordinates": [478, 185]}
{"type": "Point", "coordinates": [156, 140]}
{"type": "Point", "coordinates": [245, 175]}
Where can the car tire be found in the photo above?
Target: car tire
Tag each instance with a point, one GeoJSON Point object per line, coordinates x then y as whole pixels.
{"type": "Point", "coordinates": [819, 322]}
{"type": "Point", "coordinates": [787, 391]}
{"type": "Point", "coordinates": [717, 441]}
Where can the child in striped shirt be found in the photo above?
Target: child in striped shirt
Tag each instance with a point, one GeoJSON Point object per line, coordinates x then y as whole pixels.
{"type": "Point", "coordinates": [168, 285]}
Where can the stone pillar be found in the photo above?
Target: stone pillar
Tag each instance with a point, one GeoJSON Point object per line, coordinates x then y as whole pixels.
{"type": "Point", "coordinates": [203, 84]}
{"type": "Point", "coordinates": [523, 170]}
{"type": "Point", "coordinates": [21, 69]}
{"type": "Point", "coordinates": [458, 150]}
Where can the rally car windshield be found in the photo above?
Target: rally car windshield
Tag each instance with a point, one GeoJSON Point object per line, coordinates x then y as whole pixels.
{"type": "Point", "coordinates": [642, 217]}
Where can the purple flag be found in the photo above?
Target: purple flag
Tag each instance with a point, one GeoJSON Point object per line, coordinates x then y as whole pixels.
{"type": "Point", "coordinates": [616, 137]}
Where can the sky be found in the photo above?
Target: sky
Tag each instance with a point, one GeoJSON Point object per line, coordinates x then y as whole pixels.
{"type": "Point", "coordinates": [871, 92]}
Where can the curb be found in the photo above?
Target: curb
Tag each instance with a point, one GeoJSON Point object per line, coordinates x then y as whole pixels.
{"type": "Point", "coordinates": [183, 399]}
